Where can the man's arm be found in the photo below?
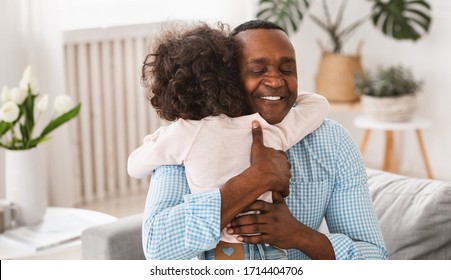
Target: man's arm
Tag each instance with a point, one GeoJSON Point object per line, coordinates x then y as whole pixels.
{"type": "Point", "coordinates": [355, 232]}
{"type": "Point", "coordinates": [180, 225]}
{"type": "Point", "coordinates": [269, 171]}
{"type": "Point", "coordinates": [351, 219]}
{"type": "Point", "coordinates": [168, 228]}
{"type": "Point", "coordinates": [277, 226]}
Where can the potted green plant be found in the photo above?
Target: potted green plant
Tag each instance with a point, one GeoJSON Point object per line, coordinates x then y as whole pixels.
{"type": "Point", "coordinates": [398, 19]}
{"type": "Point", "coordinates": [389, 94]}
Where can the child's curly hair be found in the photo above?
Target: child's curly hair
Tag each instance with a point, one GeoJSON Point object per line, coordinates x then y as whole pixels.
{"type": "Point", "coordinates": [194, 73]}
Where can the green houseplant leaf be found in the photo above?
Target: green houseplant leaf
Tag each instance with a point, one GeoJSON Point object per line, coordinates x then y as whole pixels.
{"type": "Point", "coordinates": [393, 81]}
{"type": "Point", "coordinates": [402, 19]}
{"type": "Point", "coordinates": [286, 13]}
{"type": "Point", "coordinates": [399, 19]}
{"type": "Point", "coordinates": [4, 127]}
{"type": "Point", "coordinates": [55, 123]}
{"type": "Point", "coordinates": [27, 110]}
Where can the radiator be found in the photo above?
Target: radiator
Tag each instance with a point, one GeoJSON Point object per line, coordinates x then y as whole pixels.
{"type": "Point", "coordinates": [103, 72]}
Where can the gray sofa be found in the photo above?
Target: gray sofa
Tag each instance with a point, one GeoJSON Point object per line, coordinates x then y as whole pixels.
{"type": "Point", "coordinates": [414, 214]}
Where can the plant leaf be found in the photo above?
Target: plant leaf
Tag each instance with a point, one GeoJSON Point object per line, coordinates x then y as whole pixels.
{"type": "Point", "coordinates": [286, 13]}
{"type": "Point", "coordinates": [33, 143]}
{"type": "Point", "coordinates": [402, 19]}
{"type": "Point", "coordinates": [4, 127]}
{"type": "Point", "coordinates": [55, 123]}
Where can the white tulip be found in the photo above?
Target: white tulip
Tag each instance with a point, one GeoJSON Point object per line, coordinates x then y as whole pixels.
{"type": "Point", "coordinates": [63, 103]}
{"type": "Point", "coordinates": [6, 95]}
{"type": "Point", "coordinates": [34, 85]}
{"type": "Point", "coordinates": [9, 112]}
{"type": "Point", "coordinates": [18, 95]}
{"type": "Point", "coordinates": [28, 79]}
{"type": "Point", "coordinates": [43, 103]}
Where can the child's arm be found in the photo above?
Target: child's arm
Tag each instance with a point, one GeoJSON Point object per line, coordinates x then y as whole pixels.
{"type": "Point", "coordinates": [167, 146]}
{"type": "Point", "coordinates": [308, 114]}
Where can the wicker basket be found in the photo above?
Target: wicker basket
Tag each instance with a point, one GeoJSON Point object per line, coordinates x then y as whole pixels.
{"type": "Point", "coordinates": [335, 78]}
{"type": "Point", "coordinates": [389, 109]}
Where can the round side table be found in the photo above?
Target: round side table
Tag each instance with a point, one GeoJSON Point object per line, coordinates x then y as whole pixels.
{"type": "Point", "coordinates": [390, 162]}
{"type": "Point", "coordinates": [56, 237]}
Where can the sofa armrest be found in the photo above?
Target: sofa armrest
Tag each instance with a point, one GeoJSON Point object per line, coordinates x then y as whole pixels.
{"type": "Point", "coordinates": [119, 240]}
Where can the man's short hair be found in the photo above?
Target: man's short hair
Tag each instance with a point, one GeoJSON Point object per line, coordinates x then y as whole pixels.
{"type": "Point", "coordinates": [256, 24]}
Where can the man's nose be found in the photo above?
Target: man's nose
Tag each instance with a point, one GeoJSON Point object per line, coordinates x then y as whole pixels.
{"type": "Point", "coordinates": [273, 80]}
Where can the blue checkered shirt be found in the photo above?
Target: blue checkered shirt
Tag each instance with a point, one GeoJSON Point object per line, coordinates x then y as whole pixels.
{"type": "Point", "coordinates": [328, 181]}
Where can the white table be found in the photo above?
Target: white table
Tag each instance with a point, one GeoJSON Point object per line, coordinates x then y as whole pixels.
{"type": "Point", "coordinates": [56, 237]}
{"type": "Point", "coordinates": [390, 163]}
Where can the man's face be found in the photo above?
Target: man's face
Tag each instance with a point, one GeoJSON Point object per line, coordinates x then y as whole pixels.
{"type": "Point", "coordinates": [268, 72]}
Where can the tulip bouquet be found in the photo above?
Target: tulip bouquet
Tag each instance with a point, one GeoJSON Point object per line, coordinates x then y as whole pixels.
{"type": "Point", "coordinates": [21, 109]}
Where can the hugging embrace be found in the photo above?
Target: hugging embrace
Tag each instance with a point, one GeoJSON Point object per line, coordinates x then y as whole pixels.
{"type": "Point", "coordinates": [250, 167]}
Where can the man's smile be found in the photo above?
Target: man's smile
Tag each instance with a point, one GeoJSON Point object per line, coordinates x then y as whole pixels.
{"type": "Point", "coordinates": [271, 98]}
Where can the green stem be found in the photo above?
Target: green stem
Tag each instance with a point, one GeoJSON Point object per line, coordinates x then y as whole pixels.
{"type": "Point", "coordinates": [13, 137]}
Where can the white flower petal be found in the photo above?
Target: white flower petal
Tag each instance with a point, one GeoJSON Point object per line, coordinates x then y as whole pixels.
{"type": "Point", "coordinates": [26, 78]}
{"type": "Point", "coordinates": [18, 95]}
{"type": "Point", "coordinates": [9, 111]}
{"type": "Point", "coordinates": [43, 103]}
{"type": "Point", "coordinates": [63, 103]}
{"type": "Point", "coordinates": [27, 73]}
{"type": "Point", "coordinates": [34, 85]}
{"type": "Point", "coordinates": [6, 96]}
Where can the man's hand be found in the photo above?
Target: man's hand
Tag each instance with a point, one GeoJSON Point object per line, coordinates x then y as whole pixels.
{"type": "Point", "coordinates": [271, 164]}
{"type": "Point", "coordinates": [269, 171]}
{"type": "Point", "coordinates": [275, 225]}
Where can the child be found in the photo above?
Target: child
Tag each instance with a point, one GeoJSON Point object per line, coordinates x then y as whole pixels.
{"type": "Point", "coordinates": [193, 78]}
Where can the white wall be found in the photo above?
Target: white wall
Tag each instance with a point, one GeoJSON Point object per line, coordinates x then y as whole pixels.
{"type": "Point", "coordinates": [101, 13]}
{"type": "Point", "coordinates": [430, 60]}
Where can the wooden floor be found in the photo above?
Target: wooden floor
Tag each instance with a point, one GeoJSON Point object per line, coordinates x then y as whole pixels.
{"type": "Point", "coordinates": [119, 206]}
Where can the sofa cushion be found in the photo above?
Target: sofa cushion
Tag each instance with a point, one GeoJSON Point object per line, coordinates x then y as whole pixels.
{"type": "Point", "coordinates": [119, 240]}
{"type": "Point", "coordinates": [414, 214]}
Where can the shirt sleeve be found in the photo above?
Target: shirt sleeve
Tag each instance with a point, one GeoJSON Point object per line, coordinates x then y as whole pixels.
{"type": "Point", "coordinates": [177, 224]}
{"type": "Point", "coordinates": [168, 145]}
{"type": "Point", "coordinates": [353, 225]}
{"type": "Point", "coordinates": [308, 114]}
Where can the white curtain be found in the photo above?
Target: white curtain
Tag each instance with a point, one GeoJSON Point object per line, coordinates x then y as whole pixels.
{"type": "Point", "coordinates": [30, 35]}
